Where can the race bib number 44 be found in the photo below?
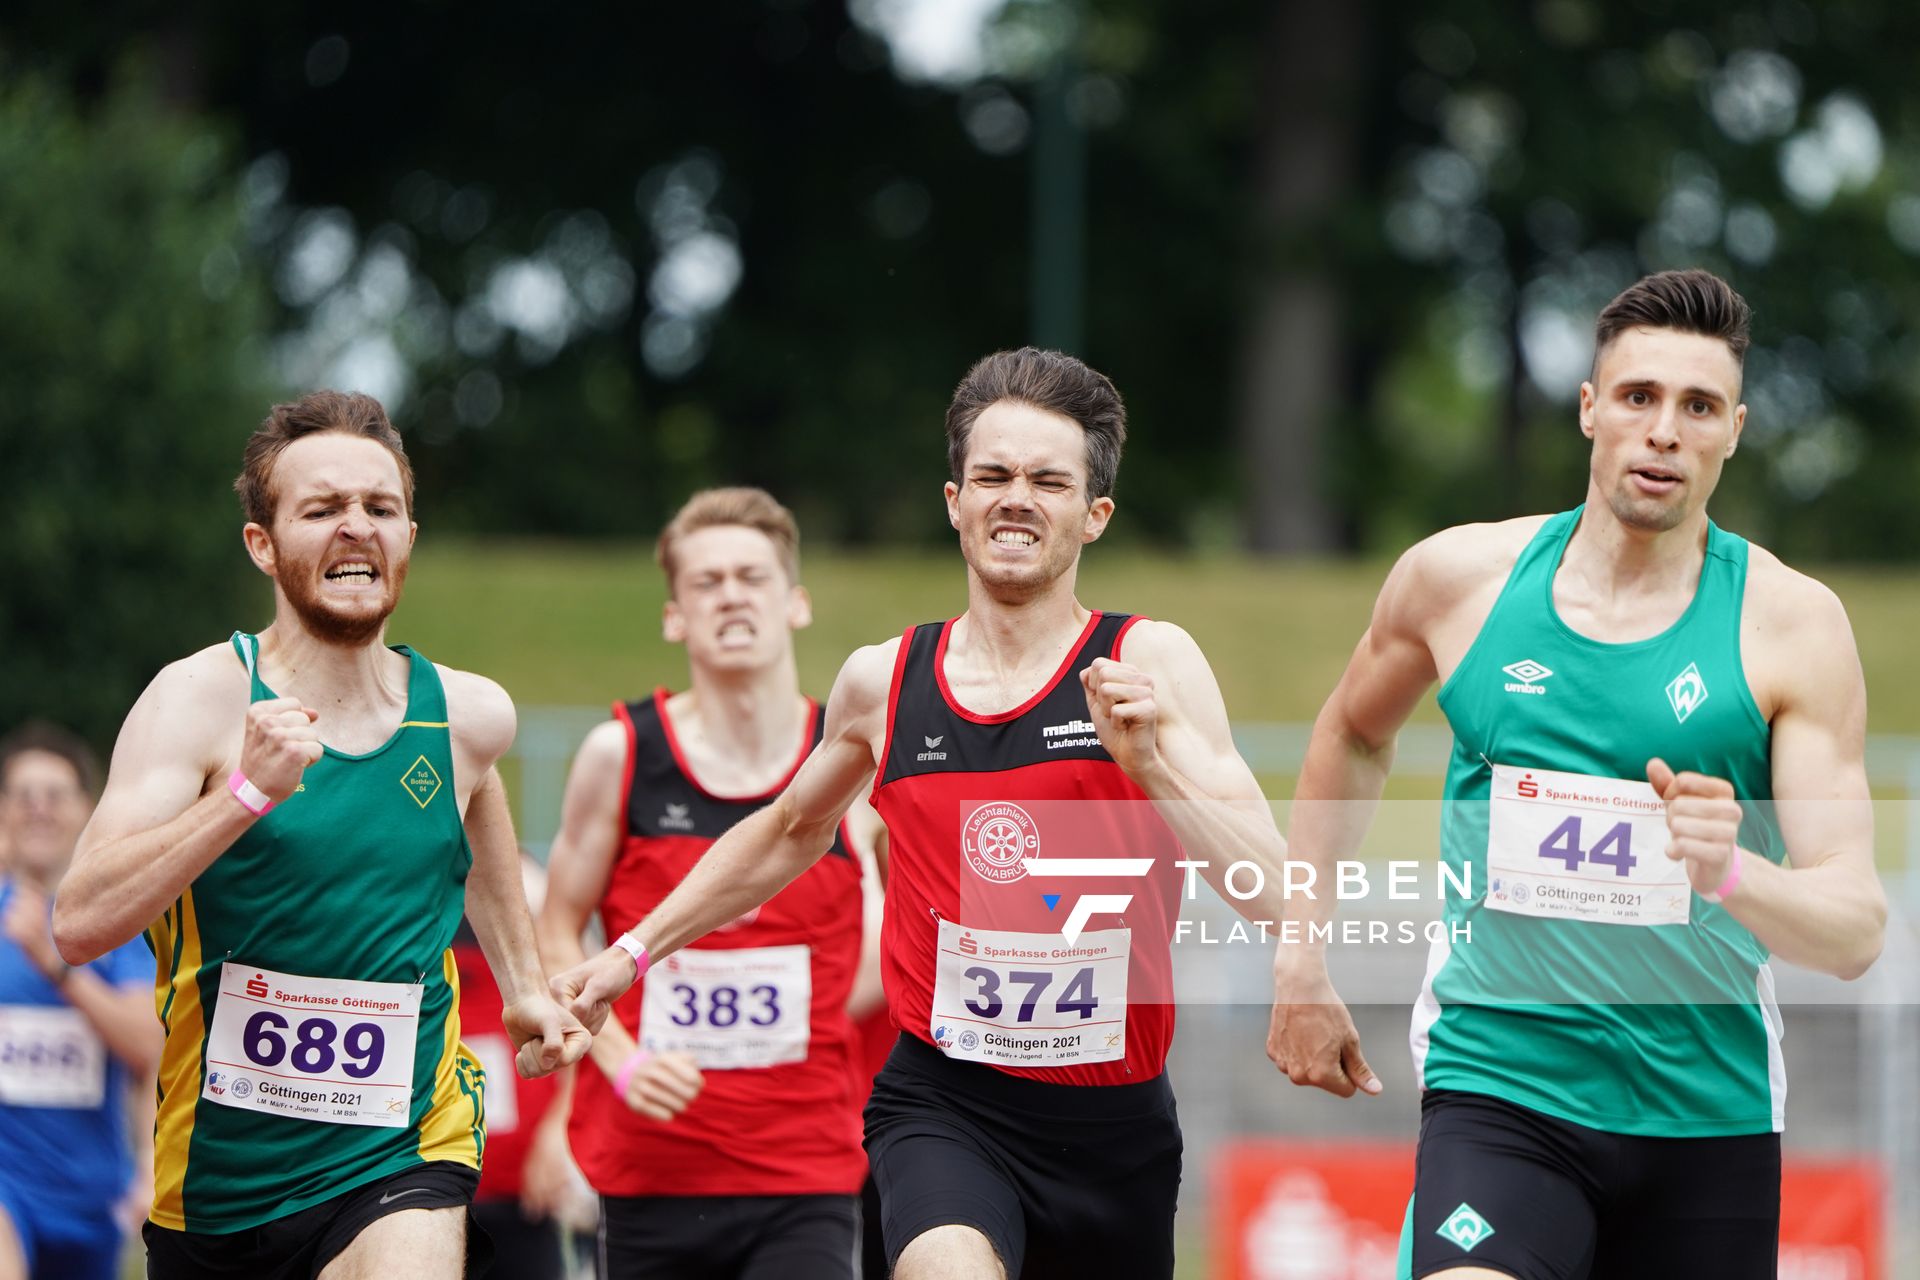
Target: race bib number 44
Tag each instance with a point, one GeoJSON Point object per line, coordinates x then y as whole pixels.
{"type": "Point", "coordinates": [324, 1049]}
{"type": "Point", "coordinates": [50, 1058]}
{"type": "Point", "coordinates": [1568, 846]}
{"type": "Point", "coordinates": [1030, 999]}
{"type": "Point", "coordinates": [747, 1007]}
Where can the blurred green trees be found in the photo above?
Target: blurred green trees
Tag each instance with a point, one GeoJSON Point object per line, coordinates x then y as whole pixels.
{"type": "Point", "coordinates": [131, 352]}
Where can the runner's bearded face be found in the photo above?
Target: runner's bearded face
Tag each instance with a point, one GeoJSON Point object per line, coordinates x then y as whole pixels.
{"type": "Point", "coordinates": [1663, 413]}
{"type": "Point", "coordinates": [1021, 508]}
{"type": "Point", "coordinates": [341, 535]}
{"type": "Point", "coordinates": [43, 809]}
{"type": "Point", "coordinates": [733, 604]}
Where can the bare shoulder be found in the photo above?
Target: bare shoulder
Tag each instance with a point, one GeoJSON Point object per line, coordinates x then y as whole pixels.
{"type": "Point", "coordinates": [1793, 627]}
{"type": "Point", "coordinates": [1467, 556]}
{"type": "Point", "coordinates": [208, 689]}
{"type": "Point", "coordinates": [866, 677]}
{"type": "Point", "coordinates": [1152, 643]}
{"type": "Point", "coordinates": [480, 715]}
{"type": "Point", "coordinates": [603, 750]}
{"type": "Point", "coordinates": [192, 713]}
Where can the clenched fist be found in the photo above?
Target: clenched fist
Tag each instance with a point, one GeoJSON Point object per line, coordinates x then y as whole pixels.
{"type": "Point", "coordinates": [280, 742]}
{"type": "Point", "coordinates": [1703, 824]}
{"type": "Point", "coordinates": [1120, 704]}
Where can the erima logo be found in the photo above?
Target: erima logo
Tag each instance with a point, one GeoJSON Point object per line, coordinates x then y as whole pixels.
{"type": "Point", "coordinates": [930, 753]}
{"type": "Point", "coordinates": [1527, 676]}
{"type": "Point", "coordinates": [1085, 908]}
{"type": "Point", "coordinates": [1465, 1228]}
{"type": "Point", "coordinates": [1074, 733]}
{"type": "Point", "coordinates": [676, 818]}
{"type": "Point", "coordinates": [1686, 692]}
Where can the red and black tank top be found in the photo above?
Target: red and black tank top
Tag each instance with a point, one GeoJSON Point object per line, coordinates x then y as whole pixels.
{"type": "Point", "coordinates": [968, 797]}
{"type": "Point", "coordinates": [792, 1128]}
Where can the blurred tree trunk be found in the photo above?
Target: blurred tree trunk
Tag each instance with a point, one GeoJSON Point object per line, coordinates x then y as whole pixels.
{"type": "Point", "coordinates": [1313, 78]}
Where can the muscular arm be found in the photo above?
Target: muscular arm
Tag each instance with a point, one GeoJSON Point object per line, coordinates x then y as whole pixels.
{"type": "Point", "coordinates": [869, 840]}
{"type": "Point", "coordinates": [154, 831]}
{"type": "Point", "coordinates": [483, 725]}
{"type": "Point", "coordinates": [1827, 910]}
{"type": "Point", "coordinates": [580, 865]}
{"type": "Point", "coordinates": [763, 853]}
{"type": "Point", "coordinates": [1194, 774]}
{"type": "Point", "coordinates": [1351, 748]}
{"type": "Point", "coordinates": [1349, 754]}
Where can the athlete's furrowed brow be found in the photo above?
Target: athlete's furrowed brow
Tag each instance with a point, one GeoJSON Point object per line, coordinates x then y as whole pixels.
{"type": "Point", "coordinates": [334, 497]}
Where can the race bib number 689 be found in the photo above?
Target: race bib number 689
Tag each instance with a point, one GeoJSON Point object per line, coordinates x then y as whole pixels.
{"type": "Point", "coordinates": [325, 1049]}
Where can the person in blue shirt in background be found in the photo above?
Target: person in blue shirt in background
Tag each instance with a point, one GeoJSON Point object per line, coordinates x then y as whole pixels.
{"type": "Point", "coordinates": [76, 1044]}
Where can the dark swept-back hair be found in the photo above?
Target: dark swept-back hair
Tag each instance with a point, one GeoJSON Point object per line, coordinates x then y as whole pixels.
{"type": "Point", "coordinates": [40, 735]}
{"type": "Point", "coordinates": [348, 412]}
{"type": "Point", "coordinates": [1691, 301]}
{"type": "Point", "coordinates": [1050, 380]}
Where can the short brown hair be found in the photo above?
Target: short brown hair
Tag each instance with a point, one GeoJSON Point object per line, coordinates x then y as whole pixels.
{"type": "Point", "coordinates": [348, 412]}
{"type": "Point", "coordinates": [51, 739]}
{"type": "Point", "coordinates": [752, 508]}
{"type": "Point", "coordinates": [1049, 380]}
{"type": "Point", "coordinates": [1691, 301]}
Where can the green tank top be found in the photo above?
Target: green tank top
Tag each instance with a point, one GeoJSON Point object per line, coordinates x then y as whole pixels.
{"type": "Point", "coordinates": [358, 878]}
{"type": "Point", "coordinates": [1592, 988]}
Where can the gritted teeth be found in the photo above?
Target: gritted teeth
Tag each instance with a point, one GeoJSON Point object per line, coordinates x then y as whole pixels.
{"type": "Point", "coordinates": [1015, 537]}
{"type": "Point", "coordinates": [351, 569]}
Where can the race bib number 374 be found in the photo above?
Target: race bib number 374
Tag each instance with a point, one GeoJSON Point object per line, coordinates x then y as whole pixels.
{"type": "Point", "coordinates": [323, 1049]}
{"type": "Point", "coordinates": [1031, 999]}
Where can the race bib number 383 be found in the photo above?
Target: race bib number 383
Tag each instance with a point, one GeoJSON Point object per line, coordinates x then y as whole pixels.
{"type": "Point", "coordinates": [325, 1049]}
{"type": "Point", "coordinates": [1573, 847]}
{"type": "Point", "coordinates": [1031, 999]}
{"type": "Point", "coordinates": [742, 1007]}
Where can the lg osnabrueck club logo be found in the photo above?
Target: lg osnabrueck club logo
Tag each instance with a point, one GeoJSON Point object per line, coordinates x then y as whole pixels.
{"type": "Point", "coordinates": [1001, 842]}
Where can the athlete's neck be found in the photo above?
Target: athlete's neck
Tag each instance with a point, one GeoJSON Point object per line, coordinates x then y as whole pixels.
{"type": "Point", "coordinates": [738, 728]}
{"type": "Point", "coordinates": [1010, 644]}
{"type": "Point", "coordinates": [1616, 557]}
{"type": "Point", "coordinates": [344, 678]}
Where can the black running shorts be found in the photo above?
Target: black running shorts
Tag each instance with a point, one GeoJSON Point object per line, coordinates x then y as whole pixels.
{"type": "Point", "coordinates": [1522, 1193]}
{"type": "Point", "coordinates": [729, 1238]}
{"type": "Point", "coordinates": [1066, 1181]}
{"type": "Point", "coordinates": [300, 1245]}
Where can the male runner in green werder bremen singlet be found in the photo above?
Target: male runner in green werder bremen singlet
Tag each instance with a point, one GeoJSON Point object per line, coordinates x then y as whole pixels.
{"type": "Point", "coordinates": [1657, 781]}
{"type": "Point", "coordinates": [297, 821]}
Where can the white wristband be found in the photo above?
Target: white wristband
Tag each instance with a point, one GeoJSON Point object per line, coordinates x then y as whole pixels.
{"type": "Point", "coordinates": [635, 948]}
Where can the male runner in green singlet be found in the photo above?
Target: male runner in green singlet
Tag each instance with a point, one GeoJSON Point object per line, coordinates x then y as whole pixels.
{"type": "Point", "coordinates": [297, 820]}
{"type": "Point", "coordinates": [1657, 782]}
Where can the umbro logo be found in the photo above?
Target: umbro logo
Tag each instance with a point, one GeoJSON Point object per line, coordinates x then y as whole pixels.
{"type": "Point", "coordinates": [1687, 691]}
{"type": "Point", "coordinates": [931, 753]}
{"type": "Point", "coordinates": [677, 818]}
{"type": "Point", "coordinates": [1527, 676]}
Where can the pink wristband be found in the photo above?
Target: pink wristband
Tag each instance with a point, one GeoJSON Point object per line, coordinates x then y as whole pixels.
{"type": "Point", "coordinates": [624, 1076]}
{"type": "Point", "coordinates": [252, 798]}
{"type": "Point", "coordinates": [636, 949]}
{"type": "Point", "coordinates": [1726, 888]}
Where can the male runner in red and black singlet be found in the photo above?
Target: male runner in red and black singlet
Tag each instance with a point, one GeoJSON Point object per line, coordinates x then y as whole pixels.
{"type": "Point", "coordinates": [1023, 1125]}
{"type": "Point", "coordinates": [721, 1126]}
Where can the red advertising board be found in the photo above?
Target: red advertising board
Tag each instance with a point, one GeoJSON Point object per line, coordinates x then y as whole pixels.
{"type": "Point", "coordinates": [1299, 1211]}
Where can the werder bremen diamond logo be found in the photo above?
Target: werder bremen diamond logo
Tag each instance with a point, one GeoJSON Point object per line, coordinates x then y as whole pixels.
{"type": "Point", "coordinates": [421, 782]}
{"type": "Point", "coordinates": [1465, 1227]}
